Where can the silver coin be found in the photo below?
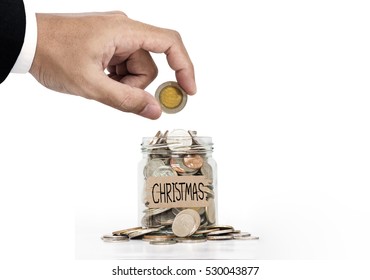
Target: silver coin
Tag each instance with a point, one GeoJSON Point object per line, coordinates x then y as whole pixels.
{"type": "Point", "coordinates": [114, 238]}
{"type": "Point", "coordinates": [246, 237]}
{"type": "Point", "coordinates": [179, 140]}
{"type": "Point", "coordinates": [155, 211]}
{"type": "Point", "coordinates": [163, 242]}
{"type": "Point", "coordinates": [156, 138]}
{"type": "Point", "coordinates": [186, 223]}
{"type": "Point", "coordinates": [143, 232]}
{"type": "Point", "coordinates": [220, 227]}
{"type": "Point", "coordinates": [207, 171]}
{"type": "Point", "coordinates": [125, 231]}
{"type": "Point", "coordinates": [152, 166]}
{"type": "Point", "coordinates": [240, 234]}
{"type": "Point", "coordinates": [220, 232]}
{"type": "Point", "coordinates": [220, 237]}
{"type": "Point", "coordinates": [164, 171]}
{"type": "Point", "coordinates": [211, 211]}
{"type": "Point", "coordinates": [191, 239]}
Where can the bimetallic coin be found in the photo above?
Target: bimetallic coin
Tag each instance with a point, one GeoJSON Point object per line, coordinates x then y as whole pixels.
{"type": "Point", "coordinates": [163, 242]}
{"type": "Point", "coordinates": [164, 171]}
{"type": "Point", "coordinates": [171, 97]}
{"type": "Point", "coordinates": [114, 238]}
{"type": "Point", "coordinates": [186, 223]}
{"type": "Point", "coordinates": [193, 161]}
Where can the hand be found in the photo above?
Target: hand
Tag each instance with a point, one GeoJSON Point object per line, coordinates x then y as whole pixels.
{"type": "Point", "coordinates": [74, 50]}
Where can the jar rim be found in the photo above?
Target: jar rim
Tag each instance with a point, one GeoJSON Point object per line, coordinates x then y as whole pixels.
{"type": "Point", "coordinates": [176, 145]}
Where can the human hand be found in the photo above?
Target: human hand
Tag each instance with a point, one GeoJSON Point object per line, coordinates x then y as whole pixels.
{"type": "Point", "coordinates": [73, 51]}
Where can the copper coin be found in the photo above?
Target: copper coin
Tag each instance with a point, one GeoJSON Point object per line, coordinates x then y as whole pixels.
{"type": "Point", "coordinates": [193, 161]}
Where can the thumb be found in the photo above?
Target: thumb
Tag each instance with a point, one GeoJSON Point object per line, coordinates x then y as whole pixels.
{"type": "Point", "coordinates": [125, 98]}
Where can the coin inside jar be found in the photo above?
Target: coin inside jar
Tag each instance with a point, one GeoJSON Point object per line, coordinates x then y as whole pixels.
{"type": "Point", "coordinates": [193, 161]}
{"type": "Point", "coordinates": [171, 97]}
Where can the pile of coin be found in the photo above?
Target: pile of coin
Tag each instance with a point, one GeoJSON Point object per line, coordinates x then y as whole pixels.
{"type": "Point", "coordinates": [173, 154]}
{"type": "Point", "coordinates": [155, 237]}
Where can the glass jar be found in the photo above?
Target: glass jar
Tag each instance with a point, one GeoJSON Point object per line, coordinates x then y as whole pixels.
{"type": "Point", "coordinates": [177, 182]}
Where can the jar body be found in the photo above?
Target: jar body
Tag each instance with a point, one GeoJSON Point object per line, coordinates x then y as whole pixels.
{"type": "Point", "coordinates": [177, 173]}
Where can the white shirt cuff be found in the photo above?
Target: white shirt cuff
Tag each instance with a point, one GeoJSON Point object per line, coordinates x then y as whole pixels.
{"type": "Point", "coordinates": [25, 58]}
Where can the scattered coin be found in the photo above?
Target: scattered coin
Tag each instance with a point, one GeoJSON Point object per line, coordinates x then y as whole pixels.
{"type": "Point", "coordinates": [164, 236]}
{"type": "Point", "coordinates": [141, 232]}
{"type": "Point", "coordinates": [220, 232]}
{"type": "Point", "coordinates": [125, 231]}
{"type": "Point", "coordinates": [191, 239]}
{"type": "Point", "coordinates": [114, 238]}
{"type": "Point", "coordinates": [220, 237]}
{"type": "Point", "coordinates": [246, 237]}
{"type": "Point", "coordinates": [163, 242]}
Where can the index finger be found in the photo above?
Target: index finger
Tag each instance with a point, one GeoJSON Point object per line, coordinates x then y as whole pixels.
{"type": "Point", "coordinates": [160, 40]}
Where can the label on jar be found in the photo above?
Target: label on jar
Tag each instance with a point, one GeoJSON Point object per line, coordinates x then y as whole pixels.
{"type": "Point", "coordinates": [177, 191]}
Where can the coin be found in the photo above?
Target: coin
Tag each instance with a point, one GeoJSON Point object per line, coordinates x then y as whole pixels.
{"type": "Point", "coordinates": [186, 223]}
{"type": "Point", "coordinates": [219, 237]}
{"type": "Point", "coordinates": [163, 242]}
{"type": "Point", "coordinates": [246, 237]}
{"type": "Point", "coordinates": [220, 232]}
{"type": "Point", "coordinates": [205, 231]}
{"type": "Point", "coordinates": [171, 97]}
{"type": "Point", "coordinates": [220, 227]}
{"type": "Point", "coordinates": [144, 231]}
{"type": "Point", "coordinates": [164, 171]}
{"type": "Point", "coordinates": [125, 231]}
{"type": "Point", "coordinates": [152, 166]}
{"type": "Point", "coordinates": [193, 161]}
{"type": "Point", "coordinates": [207, 171]}
{"type": "Point", "coordinates": [240, 234]}
{"type": "Point", "coordinates": [211, 211]}
{"type": "Point", "coordinates": [177, 164]}
{"type": "Point", "coordinates": [155, 211]}
{"type": "Point", "coordinates": [179, 139]}
{"type": "Point", "coordinates": [191, 239]}
{"type": "Point", "coordinates": [114, 238]}
{"type": "Point", "coordinates": [156, 138]}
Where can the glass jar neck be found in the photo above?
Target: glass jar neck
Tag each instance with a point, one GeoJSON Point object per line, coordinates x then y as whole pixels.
{"type": "Point", "coordinates": [177, 145]}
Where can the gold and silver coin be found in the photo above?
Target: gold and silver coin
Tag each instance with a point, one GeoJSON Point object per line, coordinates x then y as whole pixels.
{"type": "Point", "coordinates": [171, 97]}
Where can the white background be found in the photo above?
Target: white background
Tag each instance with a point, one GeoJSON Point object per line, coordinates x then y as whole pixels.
{"type": "Point", "coordinates": [283, 90]}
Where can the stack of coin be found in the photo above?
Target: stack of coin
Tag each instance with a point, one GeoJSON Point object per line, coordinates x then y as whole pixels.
{"type": "Point", "coordinates": [178, 155]}
{"type": "Point", "coordinates": [180, 235]}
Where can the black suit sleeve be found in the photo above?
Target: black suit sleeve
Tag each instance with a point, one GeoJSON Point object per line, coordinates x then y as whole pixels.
{"type": "Point", "coordinates": [12, 31]}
